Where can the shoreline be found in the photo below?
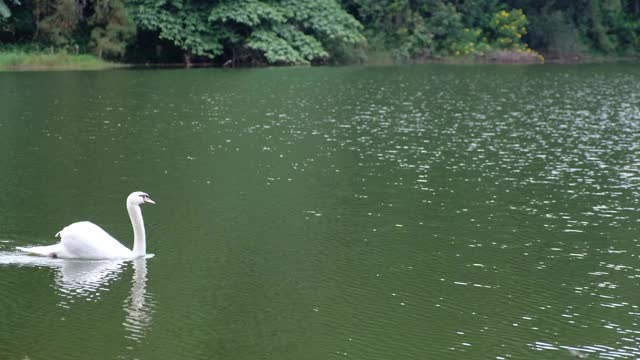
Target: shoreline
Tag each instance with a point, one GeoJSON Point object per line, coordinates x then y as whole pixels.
{"type": "Point", "coordinates": [20, 60]}
{"type": "Point", "coordinates": [70, 62]}
{"type": "Point", "coordinates": [576, 59]}
{"type": "Point", "coordinates": [62, 67]}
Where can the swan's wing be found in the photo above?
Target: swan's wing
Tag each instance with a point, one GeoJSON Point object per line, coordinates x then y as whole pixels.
{"type": "Point", "coordinates": [87, 240]}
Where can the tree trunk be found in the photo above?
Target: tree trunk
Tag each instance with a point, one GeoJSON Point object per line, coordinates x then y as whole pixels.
{"type": "Point", "coordinates": [36, 17]}
{"type": "Point", "coordinates": [234, 62]}
{"type": "Point", "coordinates": [187, 60]}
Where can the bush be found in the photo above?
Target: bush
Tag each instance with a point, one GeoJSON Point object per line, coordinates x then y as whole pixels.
{"type": "Point", "coordinates": [555, 34]}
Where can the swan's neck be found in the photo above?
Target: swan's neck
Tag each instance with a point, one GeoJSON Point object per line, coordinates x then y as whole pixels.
{"type": "Point", "coordinates": [139, 237]}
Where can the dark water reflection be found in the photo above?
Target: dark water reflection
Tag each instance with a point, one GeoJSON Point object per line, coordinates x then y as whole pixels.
{"type": "Point", "coordinates": [371, 213]}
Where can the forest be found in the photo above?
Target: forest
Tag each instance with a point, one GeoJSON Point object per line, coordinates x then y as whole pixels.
{"type": "Point", "coordinates": [297, 32]}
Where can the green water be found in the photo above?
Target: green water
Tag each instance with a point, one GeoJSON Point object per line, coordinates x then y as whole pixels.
{"type": "Point", "coordinates": [426, 212]}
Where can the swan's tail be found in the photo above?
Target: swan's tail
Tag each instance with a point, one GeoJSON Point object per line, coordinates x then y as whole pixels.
{"type": "Point", "coordinates": [50, 250]}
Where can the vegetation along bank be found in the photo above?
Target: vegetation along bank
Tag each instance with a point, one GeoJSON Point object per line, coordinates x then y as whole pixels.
{"type": "Point", "coordinates": [97, 33]}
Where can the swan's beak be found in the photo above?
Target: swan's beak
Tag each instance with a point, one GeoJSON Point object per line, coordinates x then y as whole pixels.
{"type": "Point", "coordinates": [149, 201]}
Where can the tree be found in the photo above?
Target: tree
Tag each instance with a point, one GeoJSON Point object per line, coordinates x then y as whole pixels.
{"type": "Point", "coordinates": [252, 31]}
{"type": "Point", "coordinates": [607, 26]}
{"type": "Point", "coordinates": [285, 32]}
{"type": "Point", "coordinates": [101, 26]}
{"type": "Point", "coordinates": [183, 22]}
{"type": "Point", "coordinates": [414, 30]}
{"type": "Point", "coordinates": [112, 28]}
{"type": "Point", "coordinates": [57, 20]}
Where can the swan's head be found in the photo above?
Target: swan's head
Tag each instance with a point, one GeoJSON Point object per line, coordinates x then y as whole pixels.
{"type": "Point", "coordinates": [138, 198]}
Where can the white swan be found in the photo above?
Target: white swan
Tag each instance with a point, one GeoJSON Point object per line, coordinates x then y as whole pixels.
{"type": "Point", "coordinates": [85, 240]}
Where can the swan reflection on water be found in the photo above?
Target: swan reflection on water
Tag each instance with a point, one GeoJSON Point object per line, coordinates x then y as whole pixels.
{"type": "Point", "coordinates": [84, 279]}
{"type": "Point", "coordinates": [139, 312]}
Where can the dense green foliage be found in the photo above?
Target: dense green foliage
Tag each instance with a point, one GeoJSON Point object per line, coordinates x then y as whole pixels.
{"type": "Point", "coordinates": [103, 27]}
{"type": "Point", "coordinates": [183, 23]}
{"type": "Point", "coordinates": [416, 29]}
{"type": "Point", "coordinates": [423, 29]}
{"type": "Point", "coordinates": [606, 26]}
{"type": "Point", "coordinates": [251, 31]}
{"type": "Point", "coordinates": [236, 32]}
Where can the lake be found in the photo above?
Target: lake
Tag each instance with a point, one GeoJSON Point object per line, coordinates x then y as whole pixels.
{"type": "Point", "coordinates": [401, 212]}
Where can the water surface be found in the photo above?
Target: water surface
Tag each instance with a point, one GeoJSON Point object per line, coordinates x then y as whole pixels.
{"type": "Point", "coordinates": [413, 212]}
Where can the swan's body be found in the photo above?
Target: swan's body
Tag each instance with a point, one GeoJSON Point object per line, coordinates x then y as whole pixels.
{"type": "Point", "coordinates": [85, 240]}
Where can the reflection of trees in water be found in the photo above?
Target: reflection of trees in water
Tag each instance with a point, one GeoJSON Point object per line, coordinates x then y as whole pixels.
{"type": "Point", "coordinates": [82, 279]}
